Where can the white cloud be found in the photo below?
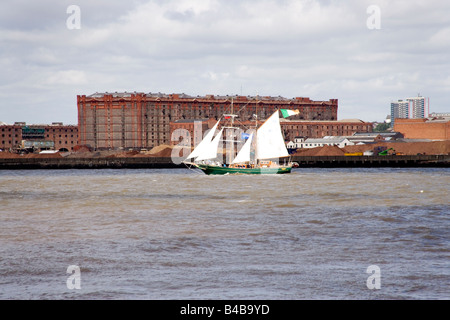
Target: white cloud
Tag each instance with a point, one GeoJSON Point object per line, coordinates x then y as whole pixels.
{"type": "Point", "coordinates": [214, 76]}
{"type": "Point", "coordinates": [441, 38]}
{"type": "Point", "coordinates": [66, 77]}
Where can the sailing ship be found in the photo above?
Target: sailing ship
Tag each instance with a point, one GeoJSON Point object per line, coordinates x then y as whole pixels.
{"type": "Point", "coordinates": [266, 153]}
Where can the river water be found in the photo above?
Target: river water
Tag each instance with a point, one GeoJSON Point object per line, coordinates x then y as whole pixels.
{"type": "Point", "coordinates": [179, 234]}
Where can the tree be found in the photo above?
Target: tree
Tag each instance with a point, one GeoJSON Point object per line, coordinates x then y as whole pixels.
{"type": "Point", "coordinates": [382, 127]}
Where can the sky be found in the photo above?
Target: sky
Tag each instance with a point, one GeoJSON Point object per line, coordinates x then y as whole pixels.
{"type": "Point", "coordinates": [366, 54]}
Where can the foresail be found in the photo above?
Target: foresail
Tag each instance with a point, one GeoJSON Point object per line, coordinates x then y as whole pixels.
{"type": "Point", "coordinates": [244, 153]}
{"type": "Point", "coordinates": [269, 139]}
{"type": "Point", "coordinates": [210, 152]}
{"type": "Point", "coordinates": [199, 149]}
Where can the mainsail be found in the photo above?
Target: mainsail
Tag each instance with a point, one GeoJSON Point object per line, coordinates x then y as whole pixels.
{"type": "Point", "coordinates": [269, 139]}
{"type": "Point", "coordinates": [203, 146]}
{"type": "Point", "coordinates": [210, 151]}
{"type": "Point", "coordinates": [244, 153]}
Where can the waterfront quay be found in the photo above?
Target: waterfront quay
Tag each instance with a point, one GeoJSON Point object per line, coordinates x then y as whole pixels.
{"type": "Point", "coordinates": [168, 162]}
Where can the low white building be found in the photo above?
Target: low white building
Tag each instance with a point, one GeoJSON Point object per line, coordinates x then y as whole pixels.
{"type": "Point", "coordinates": [325, 141]}
{"type": "Point", "coordinates": [291, 145]}
{"type": "Point", "coordinates": [296, 143]}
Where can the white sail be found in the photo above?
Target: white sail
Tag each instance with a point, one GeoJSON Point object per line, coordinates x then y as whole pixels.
{"type": "Point", "coordinates": [210, 151]}
{"type": "Point", "coordinates": [244, 153]}
{"type": "Point", "coordinates": [269, 139]}
{"type": "Point", "coordinates": [199, 149]}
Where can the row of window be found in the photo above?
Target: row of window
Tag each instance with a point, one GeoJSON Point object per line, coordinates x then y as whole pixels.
{"type": "Point", "coordinates": [52, 130]}
{"type": "Point", "coordinates": [305, 127]}
{"type": "Point", "coordinates": [60, 142]}
{"type": "Point", "coordinates": [61, 136]}
{"type": "Point", "coordinates": [3, 135]}
{"type": "Point", "coordinates": [318, 144]}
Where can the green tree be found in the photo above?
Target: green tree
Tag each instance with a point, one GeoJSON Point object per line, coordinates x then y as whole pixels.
{"type": "Point", "coordinates": [381, 127]}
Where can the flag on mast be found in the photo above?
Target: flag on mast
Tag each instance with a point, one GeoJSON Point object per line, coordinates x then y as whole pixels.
{"type": "Point", "coordinates": [287, 113]}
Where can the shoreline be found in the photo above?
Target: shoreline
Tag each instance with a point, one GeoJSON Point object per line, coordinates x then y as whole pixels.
{"type": "Point", "coordinates": [167, 163]}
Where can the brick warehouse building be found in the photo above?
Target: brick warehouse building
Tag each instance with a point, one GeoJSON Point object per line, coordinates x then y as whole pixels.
{"type": "Point", "coordinates": [318, 129]}
{"type": "Point", "coordinates": [140, 120]}
{"type": "Point", "coordinates": [290, 128]}
{"type": "Point", "coordinates": [433, 129]}
{"type": "Point", "coordinates": [62, 136]}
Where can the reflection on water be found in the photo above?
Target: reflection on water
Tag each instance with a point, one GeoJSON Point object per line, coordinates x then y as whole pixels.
{"type": "Point", "coordinates": [176, 234]}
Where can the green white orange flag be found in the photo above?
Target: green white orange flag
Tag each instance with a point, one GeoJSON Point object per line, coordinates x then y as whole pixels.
{"type": "Point", "coordinates": [287, 113]}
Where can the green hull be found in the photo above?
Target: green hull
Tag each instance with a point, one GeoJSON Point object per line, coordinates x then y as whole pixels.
{"type": "Point", "coordinates": [225, 170]}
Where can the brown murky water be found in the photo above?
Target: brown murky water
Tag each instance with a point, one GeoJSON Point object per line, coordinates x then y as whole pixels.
{"type": "Point", "coordinates": [177, 234]}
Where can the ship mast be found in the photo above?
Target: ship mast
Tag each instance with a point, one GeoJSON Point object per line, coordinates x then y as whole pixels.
{"type": "Point", "coordinates": [227, 137]}
{"type": "Point", "coordinates": [231, 115]}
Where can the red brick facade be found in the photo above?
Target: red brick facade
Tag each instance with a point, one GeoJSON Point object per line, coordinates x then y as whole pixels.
{"type": "Point", "coordinates": [63, 136]}
{"type": "Point", "coordinates": [290, 128]}
{"type": "Point", "coordinates": [190, 130]}
{"type": "Point", "coordinates": [139, 120]}
{"type": "Point", "coordinates": [423, 128]}
{"type": "Point", "coordinates": [320, 129]}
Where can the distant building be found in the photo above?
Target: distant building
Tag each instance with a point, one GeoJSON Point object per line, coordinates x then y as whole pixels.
{"type": "Point", "coordinates": [388, 119]}
{"type": "Point", "coordinates": [295, 143]}
{"type": "Point", "coordinates": [410, 108]}
{"type": "Point", "coordinates": [325, 141]}
{"type": "Point", "coordinates": [291, 129]}
{"type": "Point", "coordinates": [55, 135]}
{"type": "Point", "coordinates": [318, 129]}
{"type": "Point", "coordinates": [418, 107]}
{"type": "Point", "coordinates": [433, 129]}
{"type": "Point", "coordinates": [440, 115]}
{"type": "Point", "coordinates": [342, 141]}
{"type": "Point", "coordinates": [369, 137]}
{"type": "Point", "coordinates": [399, 110]}
{"type": "Point", "coordinates": [144, 120]}
{"type": "Point", "coordinates": [189, 132]}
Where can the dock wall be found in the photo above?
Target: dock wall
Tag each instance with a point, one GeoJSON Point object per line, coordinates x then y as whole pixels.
{"type": "Point", "coordinates": [166, 162]}
{"type": "Point", "coordinates": [374, 161]}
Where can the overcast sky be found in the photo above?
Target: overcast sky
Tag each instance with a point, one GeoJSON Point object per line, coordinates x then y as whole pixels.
{"type": "Point", "coordinates": [363, 53]}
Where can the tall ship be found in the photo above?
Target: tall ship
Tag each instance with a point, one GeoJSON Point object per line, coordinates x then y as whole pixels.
{"type": "Point", "coordinates": [264, 150]}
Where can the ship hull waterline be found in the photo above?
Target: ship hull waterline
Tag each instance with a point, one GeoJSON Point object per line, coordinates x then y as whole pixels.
{"type": "Point", "coordinates": [208, 169]}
